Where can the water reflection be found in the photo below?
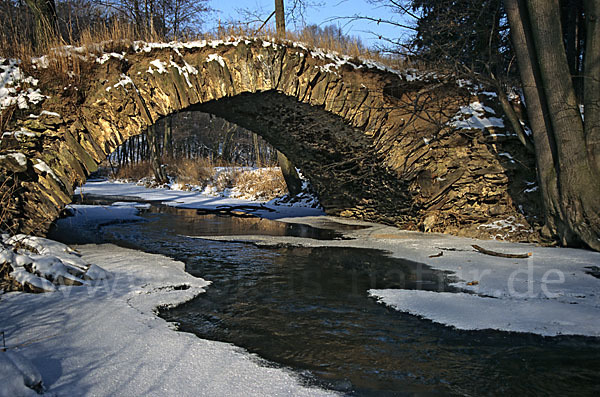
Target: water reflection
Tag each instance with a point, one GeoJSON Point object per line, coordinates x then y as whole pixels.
{"type": "Point", "coordinates": [189, 222]}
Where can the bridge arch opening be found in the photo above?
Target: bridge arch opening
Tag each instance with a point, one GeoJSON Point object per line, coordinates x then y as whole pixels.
{"type": "Point", "coordinates": [339, 160]}
{"type": "Point", "coordinates": [343, 167]}
{"type": "Point", "coordinates": [194, 135]}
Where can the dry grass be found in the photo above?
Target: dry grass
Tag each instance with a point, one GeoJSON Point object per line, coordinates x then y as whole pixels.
{"type": "Point", "coordinates": [8, 206]}
{"type": "Point", "coordinates": [310, 39]}
{"type": "Point", "coordinates": [66, 57]}
{"type": "Point", "coordinates": [190, 171]}
{"type": "Point", "coordinates": [254, 184]}
{"type": "Point", "coordinates": [91, 39]}
{"type": "Point", "coordinates": [261, 184]}
{"type": "Point", "coordinates": [66, 61]}
{"type": "Point", "coordinates": [134, 172]}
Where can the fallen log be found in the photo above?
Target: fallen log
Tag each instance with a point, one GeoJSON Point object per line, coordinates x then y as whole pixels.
{"type": "Point", "coordinates": [500, 254]}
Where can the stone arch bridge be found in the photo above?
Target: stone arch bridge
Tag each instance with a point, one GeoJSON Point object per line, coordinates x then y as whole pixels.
{"type": "Point", "coordinates": [377, 145]}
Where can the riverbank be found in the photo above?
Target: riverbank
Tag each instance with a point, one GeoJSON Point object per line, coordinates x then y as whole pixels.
{"type": "Point", "coordinates": [553, 291]}
{"type": "Point", "coordinates": [105, 339]}
{"type": "Point", "coordinates": [273, 209]}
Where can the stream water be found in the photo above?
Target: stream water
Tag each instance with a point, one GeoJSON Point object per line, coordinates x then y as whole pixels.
{"type": "Point", "coordinates": [307, 309]}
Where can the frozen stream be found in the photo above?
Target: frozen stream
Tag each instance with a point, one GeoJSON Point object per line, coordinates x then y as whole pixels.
{"type": "Point", "coordinates": [308, 309]}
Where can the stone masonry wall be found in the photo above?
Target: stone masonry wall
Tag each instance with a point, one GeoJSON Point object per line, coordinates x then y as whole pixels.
{"type": "Point", "coordinates": [378, 145]}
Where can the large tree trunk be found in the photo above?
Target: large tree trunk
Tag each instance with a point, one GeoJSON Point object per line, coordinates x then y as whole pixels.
{"type": "Point", "coordinates": [46, 26]}
{"type": "Point", "coordinates": [292, 179]}
{"type": "Point", "coordinates": [573, 205]}
{"type": "Point", "coordinates": [591, 92]}
{"type": "Point", "coordinates": [537, 110]}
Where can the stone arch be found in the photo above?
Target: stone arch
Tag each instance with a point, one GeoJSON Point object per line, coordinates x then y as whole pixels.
{"type": "Point", "coordinates": [375, 143]}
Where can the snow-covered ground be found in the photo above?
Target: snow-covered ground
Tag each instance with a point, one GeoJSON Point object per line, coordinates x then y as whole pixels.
{"type": "Point", "coordinates": [105, 339]}
{"type": "Point", "coordinates": [274, 209]}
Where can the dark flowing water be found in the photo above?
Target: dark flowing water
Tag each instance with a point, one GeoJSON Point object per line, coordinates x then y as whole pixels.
{"type": "Point", "coordinates": [308, 309]}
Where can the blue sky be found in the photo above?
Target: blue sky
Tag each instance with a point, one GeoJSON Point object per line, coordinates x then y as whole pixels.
{"type": "Point", "coordinates": [329, 12]}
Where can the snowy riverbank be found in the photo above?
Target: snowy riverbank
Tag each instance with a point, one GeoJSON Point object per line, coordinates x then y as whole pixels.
{"type": "Point", "coordinates": [106, 339]}
{"type": "Point", "coordinates": [551, 292]}
{"type": "Point", "coordinates": [273, 209]}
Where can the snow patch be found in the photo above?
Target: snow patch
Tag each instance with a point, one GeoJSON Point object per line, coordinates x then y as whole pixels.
{"type": "Point", "coordinates": [123, 82]}
{"type": "Point", "coordinates": [506, 226]}
{"type": "Point", "coordinates": [108, 55]}
{"type": "Point", "coordinates": [161, 67]}
{"type": "Point", "coordinates": [23, 277]}
{"type": "Point", "coordinates": [12, 89]}
{"type": "Point", "coordinates": [472, 312]}
{"type": "Point", "coordinates": [507, 155]}
{"type": "Point", "coordinates": [531, 189]}
{"type": "Point", "coordinates": [475, 115]}
{"type": "Point", "coordinates": [48, 113]}
{"type": "Point", "coordinates": [217, 58]}
{"type": "Point", "coordinates": [184, 70]}
{"type": "Point", "coordinates": [43, 167]}
{"type": "Point", "coordinates": [417, 75]}
{"type": "Point", "coordinates": [142, 46]}
{"type": "Point", "coordinates": [19, 157]}
{"type": "Point", "coordinates": [44, 263]}
{"type": "Point", "coordinates": [19, 134]}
